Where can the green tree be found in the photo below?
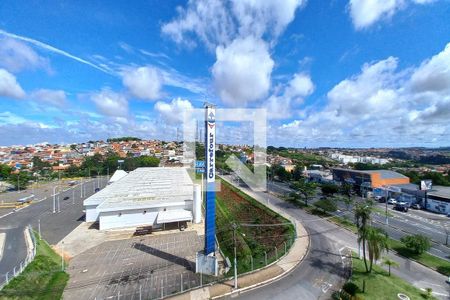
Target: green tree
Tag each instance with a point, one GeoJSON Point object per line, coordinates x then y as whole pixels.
{"type": "Point", "coordinates": [39, 165]}
{"type": "Point", "coordinates": [329, 189]}
{"type": "Point", "coordinates": [5, 171]}
{"type": "Point", "coordinates": [297, 174]}
{"type": "Point", "coordinates": [363, 213]}
{"type": "Point", "coordinates": [390, 263]}
{"type": "Point", "coordinates": [19, 180]}
{"type": "Point", "coordinates": [418, 243]}
{"type": "Point", "coordinates": [281, 173]}
{"type": "Point", "coordinates": [377, 242]}
{"type": "Point", "coordinates": [148, 161]}
{"type": "Point", "coordinates": [306, 189]}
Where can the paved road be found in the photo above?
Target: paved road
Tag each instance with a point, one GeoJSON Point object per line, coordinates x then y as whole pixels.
{"type": "Point", "coordinates": [54, 226]}
{"type": "Point", "coordinates": [399, 223]}
{"type": "Point", "coordinates": [318, 269]}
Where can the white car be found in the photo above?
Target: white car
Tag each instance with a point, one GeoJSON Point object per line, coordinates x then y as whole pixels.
{"type": "Point", "coordinates": [392, 201]}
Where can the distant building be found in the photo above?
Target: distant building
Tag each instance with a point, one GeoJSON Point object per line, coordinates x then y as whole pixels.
{"type": "Point", "coordinates": [146, 197]}
{"type": "Point", "coordinates": [369, 179]}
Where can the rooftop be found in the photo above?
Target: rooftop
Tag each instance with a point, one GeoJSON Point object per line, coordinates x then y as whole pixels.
{"type": "Point", "coordinates": [385, 174]}
{"type": "Point", "coordinates": [143, 188]}
{"type": "Point", "coordinates": [440, 191]}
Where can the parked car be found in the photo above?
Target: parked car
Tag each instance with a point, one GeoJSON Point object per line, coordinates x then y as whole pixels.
{"type": "Point", "coordinates": [66, 198]}
{"type": "Point", "coordinates": [416, 206]}
{"type": "Point", "coordinates": [392, 201]}
{"type": "Point", "coordinates": [401, 206]}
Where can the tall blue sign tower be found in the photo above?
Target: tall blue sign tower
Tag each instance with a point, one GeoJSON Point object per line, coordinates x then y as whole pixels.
{"type": "Point", "coordinates": [210, 166]}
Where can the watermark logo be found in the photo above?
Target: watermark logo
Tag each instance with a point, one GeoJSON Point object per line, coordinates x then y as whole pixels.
{"type": "Point", "coordinates": [194, 130]}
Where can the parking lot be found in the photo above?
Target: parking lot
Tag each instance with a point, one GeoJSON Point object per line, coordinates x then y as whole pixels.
{"type": "Point", "coordinates": [146, 267]}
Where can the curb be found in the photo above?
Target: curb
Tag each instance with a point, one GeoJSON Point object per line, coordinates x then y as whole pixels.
{"type": "Point", "coordinates": [277, 277]}
{"type": "Point", "coordinates": [271, 280]}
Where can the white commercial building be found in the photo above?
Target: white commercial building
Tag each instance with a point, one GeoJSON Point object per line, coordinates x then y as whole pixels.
{"type": "Point", "coordinates": [146, 197]}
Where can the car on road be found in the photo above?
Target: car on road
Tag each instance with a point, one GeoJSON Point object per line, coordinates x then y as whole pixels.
{"type": "Point", "coordinates": [416, 206]}
{"type": "Point", "coordinates": [380, 199]}
{"type": "Point", "coordinates": [392, 201]}
{"type": "Point", "coordinates": [66, 198]}
{"type": "Point", "coordinates": [97, 189]}
{"type": "Point", "coordinates": [401, 206]}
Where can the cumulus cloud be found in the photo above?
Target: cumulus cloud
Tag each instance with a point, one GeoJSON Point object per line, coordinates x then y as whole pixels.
{"type": "Point", "coordinates": [381, 105]}
{"type": "Point", "coordinates": [365, 13]}
{"type": "Point", "coordinates": [56, 98]}
{"type": "Point", "coordinates": [434, 74]}
{"type": "Point", "coordinates": [143, 82]}
{"type": "Point", "coordinates": [175, 111]}
{"type": "Point", "coordinates": [299, 87]}
{"type": "Point", "coordinates": [16, 56]}
{"type": "Point", "coordinates": [9, 87]}
{"type": "Point", "coordinates": [110, 103]}
{"type": "Point", "coordinates": [241, 33]}
{"type": "Point", "coordinates": [220, 22]}
{"type": "Point", "coordinates": [242, 71]}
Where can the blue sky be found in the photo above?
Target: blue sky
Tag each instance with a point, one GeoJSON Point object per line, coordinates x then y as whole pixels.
{"type": "Point", "coordinates": [330, 73]}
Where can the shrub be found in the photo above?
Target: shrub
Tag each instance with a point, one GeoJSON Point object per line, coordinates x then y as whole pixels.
{"type": "Point", "coordinates": [350, 288]}
{"type": "Point", "coordinates": [417, 243]}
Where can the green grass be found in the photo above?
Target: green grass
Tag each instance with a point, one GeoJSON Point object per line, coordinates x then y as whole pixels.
{"type": "Point", "coordinates": [378, 285]}
{"type": "Point", "coordinates": [431, 261]}
{"type": "Point", "coordinates": [440, 265]}
{"type": "Point", "coordinates": [41, 279]}
{"type": "Point", "coordinates": [382, 211]}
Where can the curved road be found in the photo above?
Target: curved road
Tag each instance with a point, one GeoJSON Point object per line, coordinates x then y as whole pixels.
{"type": "Point", "coordinates": [323, 270]}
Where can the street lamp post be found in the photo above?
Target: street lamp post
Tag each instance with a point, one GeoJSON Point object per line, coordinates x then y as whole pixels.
{"type": "Point", "coordinates": [235, 259]}
{"type": "Point", "coordinates": [54, 198]}
{"type": "Point", "coordinates": [386, 210]}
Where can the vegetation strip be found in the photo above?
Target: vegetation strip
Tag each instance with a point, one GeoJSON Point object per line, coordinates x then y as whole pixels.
{"type": "Point", "coordinates": [43, 278]}
{"type": "Point", "coordinates": [377, 285]}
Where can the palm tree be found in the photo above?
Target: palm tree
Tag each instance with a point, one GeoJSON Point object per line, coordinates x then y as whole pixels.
{"type": "Point", "coordinates": [390, 263]}
{"type": "Point", "coordinates": [377, 242]}
{"type": "Point", "coordinates": [362, 218]}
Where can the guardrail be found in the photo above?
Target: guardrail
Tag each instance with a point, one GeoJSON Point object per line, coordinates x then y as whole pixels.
{"type": "Point", "coordinates": [18, 269]}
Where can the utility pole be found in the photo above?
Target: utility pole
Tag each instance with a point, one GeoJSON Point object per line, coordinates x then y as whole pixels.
{"type": "Point", "coordinates": [235, 259]}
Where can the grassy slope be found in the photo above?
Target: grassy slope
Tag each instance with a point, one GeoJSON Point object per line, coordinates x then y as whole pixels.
{"type": "Point", "coordinates": [381, 286]}
{"type": "Point", "coordinates": [41, 279]}
{"type": "Point", "coordinates": [247, 245]}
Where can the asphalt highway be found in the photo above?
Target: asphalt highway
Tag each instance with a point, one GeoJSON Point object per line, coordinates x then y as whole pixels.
{"type": "Point", "coordinates": [399, 223]}
{"type": "Point", "coordinates": [54, 226]}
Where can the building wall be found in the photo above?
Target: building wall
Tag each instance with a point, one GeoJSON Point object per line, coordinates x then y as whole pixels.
{"type": "Point", "coordinates": [135, 217]}
{"type": "Point", "coordinates": [129, 218]}
{"type": "Point", "coordinates": [91, 213]}
{"type": "Point", "coordinates": [377, 181]}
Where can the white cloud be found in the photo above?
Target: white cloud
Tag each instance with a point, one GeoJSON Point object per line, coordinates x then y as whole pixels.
{"type": "Point", "coordinates": [175, 111]}
{"type": "Point", "coordinates": [279, 106]}
{"type": "Point", "coordinates": [434, 74]}
{"type": "Point", "coordinates": [365, 13]}
{"type": "Point", "coordinates": [242, 71]}
{"type": "Point", "coordinates": [209, 20]}
{"type": "Point", "coordinates": [110, 103]}
{"type": "Point", "coordinates": [143, 82]}
{"type": "Point", "coordinates": [258, 17]}
{"type": "Point", "coordinates": [381, 106]}
{"type": "Point", "coordinates": [8, 117]}
{"type": "Point", "coordinates": [16, 56]}
{"type": "Point", "coordinates": [217, 22]}
{"type": "Point", "coordinates": [53, 97]}
{"type": "Point", "coordinates": [53, 50]}
{"type": "Point", "coordinates": [9, 87]}
{"type": "Point", "coordinates": [241, 32]}
{"type": "Point", "coordinates": [300, 85]}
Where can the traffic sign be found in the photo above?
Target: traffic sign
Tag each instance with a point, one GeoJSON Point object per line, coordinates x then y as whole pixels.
{"type": "Point", "coordinates": [199, 170]}
{"type": "Point", "coordinates": [200, 164]}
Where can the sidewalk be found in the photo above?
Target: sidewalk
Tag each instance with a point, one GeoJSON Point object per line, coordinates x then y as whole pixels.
{"type": "Point", "coordinates": [263, 276]}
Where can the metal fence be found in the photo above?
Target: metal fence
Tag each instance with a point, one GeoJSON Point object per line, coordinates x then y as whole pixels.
{"type": "Point", "coordinates": [18, 269]}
